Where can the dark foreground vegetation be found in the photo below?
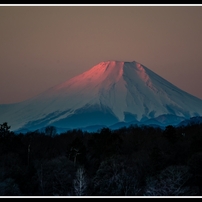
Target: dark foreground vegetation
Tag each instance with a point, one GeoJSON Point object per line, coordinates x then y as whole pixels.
{"type": "Point", "coordinates": [133, 161]}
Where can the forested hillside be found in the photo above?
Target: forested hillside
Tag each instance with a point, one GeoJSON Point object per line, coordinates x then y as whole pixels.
{"type": "Point", "coordinates": [133, 161]}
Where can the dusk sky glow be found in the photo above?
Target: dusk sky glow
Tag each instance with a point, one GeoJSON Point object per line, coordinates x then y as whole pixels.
{"type": "Point", "coordinates": [42, 46]}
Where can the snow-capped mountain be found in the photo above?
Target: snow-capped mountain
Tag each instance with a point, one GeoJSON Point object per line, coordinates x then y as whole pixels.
{"type": "Point", "coordinates": [108, 93]}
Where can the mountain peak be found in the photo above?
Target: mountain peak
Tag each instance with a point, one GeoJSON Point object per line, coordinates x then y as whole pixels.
{"type": "Point", "coordinates": [110, 64]}
{"type": "Point", "coordinates": [109, 92]}
{"type": "Point", "coordinates": [116, 63]}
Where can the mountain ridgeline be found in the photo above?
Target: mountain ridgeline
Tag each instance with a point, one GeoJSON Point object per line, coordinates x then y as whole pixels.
{"type": "Point", "coordinates": [110, 94]}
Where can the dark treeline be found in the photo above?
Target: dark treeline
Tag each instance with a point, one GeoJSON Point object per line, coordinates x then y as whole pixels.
{"type": "Point", "coordinates": [133, 161]}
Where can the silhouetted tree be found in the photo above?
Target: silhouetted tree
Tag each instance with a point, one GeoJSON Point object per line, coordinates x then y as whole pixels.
{"type": "Point", "coordinates": [76, 151]}
{"type": "Point", "coordinates": [80, 182]}
{"type": "Point", "coordinates": [4, 130]}
{"type": "Point", "coordinates": [51, 131]}
{"type": "Point", "coordinates": [55, 176]}
{"type": "Point", "coordinates": [170, 133]}
{"type": "Point", "coordinates": [115, 177]}
{"type": "Point", "coordinates": [170, 182]}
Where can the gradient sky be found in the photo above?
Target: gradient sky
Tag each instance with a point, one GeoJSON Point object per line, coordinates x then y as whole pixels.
{"type": "Point", "coordinates": [42, 46]}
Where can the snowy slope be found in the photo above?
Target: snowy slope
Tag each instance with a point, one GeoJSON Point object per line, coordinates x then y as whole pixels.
{"type": "Point", "coordinates": [110, 92]}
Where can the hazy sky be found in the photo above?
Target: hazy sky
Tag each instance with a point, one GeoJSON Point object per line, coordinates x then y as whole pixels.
{"type": "Point", "coordinates": [42, 46]}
